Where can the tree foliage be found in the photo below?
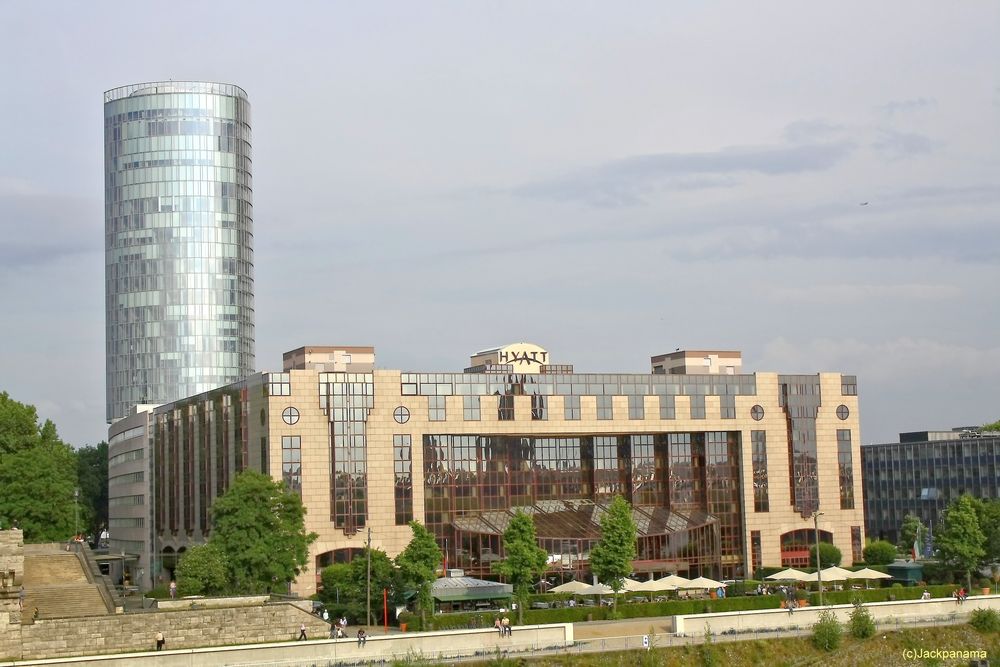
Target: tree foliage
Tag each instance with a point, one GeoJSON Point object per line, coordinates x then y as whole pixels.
{"type": "Point", "coordinates": [345, 587]}
{"type": "Point", "coordinates": [524, 561]}
{"type": "Point", "coordinates": [879, 552]}
{"type": "Point", "coordinates": [418, 564]}
{"type": "Point", "coordinates": [92, 475]}
{"type": "Point", "coordinates": [911, 530]}
{"type": "Point", "coordinates": [960, 540]}
{"type": "Point", "coordinates": [203, 570]}
{"type": "Point", "coordinates": [611, 558]}
{"type": "Point", "coordinates": [988, 514]}
{"type": "Point", "coordinates": [995, 426]}
{"type": "Point", "coordinates": [829, 555]}
{"type": "Point", "coordinates": [19, 427]}
{"type": "Point", "coordinates": [259, 526]}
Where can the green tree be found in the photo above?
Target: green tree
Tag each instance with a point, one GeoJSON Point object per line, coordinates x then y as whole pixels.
{"type": "Point", "coordinates": [524, 561]}
{"type": "Point", "coordinates": [418, 564]}
{"type": "Point", "coordinates": [829, 555]}
{"type": "Point", "coordinates": [203, 570]}
{"type": "Point", "coordinates": [92, 475]}
{"type": "Point", "coordinates": [879, 552]}
{"type": "Point", "coordinates": [611, 558]}
{"type": "Point", "coordinates": [960, 540]}
{"type": "Point", "coordinates": [995, 426]}
{"type": "Point", "coordinates": [345, 586]}
{"type": "Point", "coordinates": [988, 514]}
{"type": "Point", "coordinates": [911, 530]}
{"type": "Point", "coordinates": [36, 490]}
{"type": "Point", "coordinates": [19, 427]}
{"type": "Point", "coordinates": [259, 526]}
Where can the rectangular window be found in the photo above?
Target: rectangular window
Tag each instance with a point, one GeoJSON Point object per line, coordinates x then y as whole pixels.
{"type": "Point", "coordinates": [607, 479]}
{"type": "Point", "coordinates": [470, 408]}
{"type": "Point", "coordinates": [667, 410]}
{"type": "Point", "coordinates": [636, 409]}
{"type": "Point", "coordinates": [849, 385]}
{"type": "Point", "coordinates": [755, 556]}
{"type": "Point", "coordinates": [279, 384]}
{"type": "Point", "coordinates": [539, 407]}
{"type": "Point", "coordinates": [758, 440]}
{"type": "Point", "coordinates": [291, 462]}
{"type": "Point", "coordinates": [571, 407]}
{"type": "Point", "coordinates": [727, 406]}
{"type": "Point", "coordinates": [402, 462]}
{"type": "Point", "coordinates": [697, 406]}
{"type": "Point", "coordinates": [505, 408]}
{"type": "Point", "coordinates": [845, 461]}
{"type": "Point", "coordinates": [604, 407]}
{"type": "Point", "coordinates": [436, 408]}
{"type": "Point", "coordinates": [857, 548]}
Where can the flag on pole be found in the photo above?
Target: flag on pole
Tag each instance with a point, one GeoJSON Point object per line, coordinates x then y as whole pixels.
{"type": "Point", "coordinates": [916, 548]}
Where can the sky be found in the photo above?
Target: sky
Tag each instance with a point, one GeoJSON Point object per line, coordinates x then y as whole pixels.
{"type": "Point", "coordinates": [816, 185]}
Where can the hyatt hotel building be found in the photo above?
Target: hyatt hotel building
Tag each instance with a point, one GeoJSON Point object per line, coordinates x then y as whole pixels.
{"type": "Point", "coordinates": [724, 469]}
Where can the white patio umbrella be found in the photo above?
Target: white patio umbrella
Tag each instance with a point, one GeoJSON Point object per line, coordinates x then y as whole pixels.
{"type": "Point", "coordinates": [869, 573]}
{"type": "Point", "coordinates": [596, 589]}
{"type": "Point", "coordinates": [571, 587]}
{"type": "Point", "coordinates": [832, 573]}
{"type": "Point", "coordinates": [631, 585]}
{"type": "Point", "coordinates": [704, 582]}
{"type": "Point", "coordinates": [791, 574]}
{"type": "Point", "coordinates": [654, 585]}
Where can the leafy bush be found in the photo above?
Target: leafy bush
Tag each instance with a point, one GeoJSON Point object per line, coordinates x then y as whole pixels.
{"type": "Point", "coordinates": [880, 552]}
{"type": "Point", "coordinates": [881, 594]}
{"type": "Point", "coordinates": [829, 554]}
{"type": "Point", "coordinates": [861, 623]}
{"type": "Point", "coordinates": [827, 632]}
{"type": "Point", "coordinates": [985, 620]}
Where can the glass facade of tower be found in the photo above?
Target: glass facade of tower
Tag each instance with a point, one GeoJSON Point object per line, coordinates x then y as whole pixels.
{"type": "Point", "coordinates": [178, 241]}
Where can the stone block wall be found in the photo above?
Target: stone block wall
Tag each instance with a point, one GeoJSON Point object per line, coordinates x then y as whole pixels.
{"type": "Point", "coordinates": [56, 638]}
{"type": "Point", "coordinates": [11, 558]}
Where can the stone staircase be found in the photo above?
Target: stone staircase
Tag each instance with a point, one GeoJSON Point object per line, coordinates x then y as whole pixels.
{"type": "Point", "coordinates": [56, 584]}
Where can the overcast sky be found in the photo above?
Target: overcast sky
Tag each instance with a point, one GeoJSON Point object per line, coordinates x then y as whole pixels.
{"type": "Point", "coordinates": [608, 180]}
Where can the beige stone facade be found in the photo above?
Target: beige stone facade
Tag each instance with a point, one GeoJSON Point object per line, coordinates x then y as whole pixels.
{"type": "Point", "coordinates": [243, 426]}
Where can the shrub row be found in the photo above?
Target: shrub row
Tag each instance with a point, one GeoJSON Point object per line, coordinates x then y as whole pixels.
{"type": "Point", "coordinates": [580, 614]}
{"type": "Point", "coordinates": [881, 594]}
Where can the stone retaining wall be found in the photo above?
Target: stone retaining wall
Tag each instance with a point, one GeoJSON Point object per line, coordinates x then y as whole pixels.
{"type": "Point", "coordinates": [887, 613]}
{"type": "Point", "coordinates": [62, 637]}
{"type": "Point", "coordinates": [11, 558]}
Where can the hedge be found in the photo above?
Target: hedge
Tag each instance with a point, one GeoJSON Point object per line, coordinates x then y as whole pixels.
{"type": "Point", "coordinates": [882, 594]}
{"type": "Point", "coordinates": [581, 613]}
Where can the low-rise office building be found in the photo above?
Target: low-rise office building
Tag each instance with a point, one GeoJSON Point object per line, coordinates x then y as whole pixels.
{"type": "Point", "coordinates": [923, 472]}
{"type": "Point", "coordinates": [724, 469]}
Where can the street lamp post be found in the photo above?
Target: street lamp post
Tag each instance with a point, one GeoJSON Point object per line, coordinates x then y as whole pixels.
{"type": "Point", "coordinates": [819, 565]}
{"type": "Point", "coordinates": [368, 551]}
{"type": "Point", "coordinates": [76, 512]}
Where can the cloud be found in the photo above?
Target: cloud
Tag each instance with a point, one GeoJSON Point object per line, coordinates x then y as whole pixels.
{"type": "Point", "coordinates": [629, 181]}
{"type": "Point", "coordinates": [844, 294]}
{"type": "Point", "coordinates": [40, 227]}
{"type": "Point", "coordinates": [908, 106]}
{"type": "Point", "coordinates": [803, 131]}
{"type": "Point", "coordinates": [895, 145]}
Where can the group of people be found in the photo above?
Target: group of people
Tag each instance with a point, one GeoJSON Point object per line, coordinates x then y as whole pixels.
{"type": "Point", "coordinates": [960, 595]}
{"type": "Point", "coordinates": [502, 626]}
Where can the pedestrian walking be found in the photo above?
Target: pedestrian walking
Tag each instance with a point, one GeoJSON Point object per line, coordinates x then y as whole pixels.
{"type": "Point", "coordinates": [160, 641]}
{"type": "Point", "coordinates": [302, 632]}
{"type": "Point", "coordinates": [173, 589]}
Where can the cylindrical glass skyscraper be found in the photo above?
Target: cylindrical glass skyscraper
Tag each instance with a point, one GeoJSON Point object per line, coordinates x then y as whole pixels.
{"type": "Point", "coordinates": [178, 241]}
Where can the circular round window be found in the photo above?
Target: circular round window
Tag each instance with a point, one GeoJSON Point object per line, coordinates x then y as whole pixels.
{"type": "Point", "coordinates": [757, 413]}
{"type": "Point", "coordinates": [843, 412]}
{"type": "Point", "coordinates": [290, 415]}
{"type": "Point", "coordinates": [401, 415]}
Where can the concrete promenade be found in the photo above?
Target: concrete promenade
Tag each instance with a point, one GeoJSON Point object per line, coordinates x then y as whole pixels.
{"type": "Point", "coordinates": [455, 646]}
